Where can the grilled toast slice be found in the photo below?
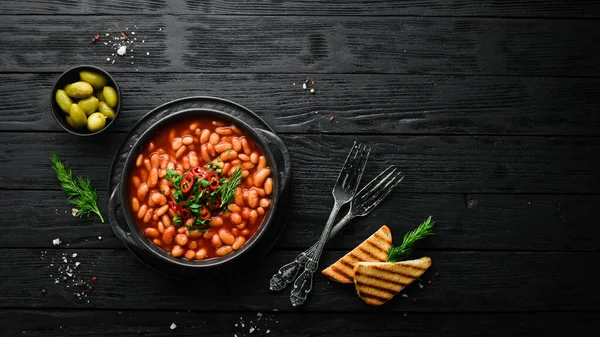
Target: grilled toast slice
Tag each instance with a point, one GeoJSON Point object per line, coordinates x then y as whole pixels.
{"type": "Point", "coordinates": [373, 249]}
{"type": "Point", "coordinates": [377, 282]}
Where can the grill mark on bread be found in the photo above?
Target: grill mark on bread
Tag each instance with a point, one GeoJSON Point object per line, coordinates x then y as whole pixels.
{"type": "Point", "coordinates": [384, 238]}
{"type": "Point", "coordinates": [386, 270]}
{"type": "Point", "coordinates": [366, 252]}
{"type": "Point", "coordinates": [386, 279]}
{"type": "Point", "coordinates": [377, 247]}
{"type": "Point", "coordinates": [374, 289]}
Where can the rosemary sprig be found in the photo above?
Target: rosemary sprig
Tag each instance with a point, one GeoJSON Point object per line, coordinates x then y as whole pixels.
{"type": "Point", "coordinates": [397, 253]}
{"type": "Point", "coordinates": [79, 191]}
{"type": "Point", "coordinates": [230, 185]}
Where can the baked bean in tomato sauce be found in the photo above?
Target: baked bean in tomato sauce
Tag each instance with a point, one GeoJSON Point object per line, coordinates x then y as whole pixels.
{"type": "Point", "coordinates": [184, 147]}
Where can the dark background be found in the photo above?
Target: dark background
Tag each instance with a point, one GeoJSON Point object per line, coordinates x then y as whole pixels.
{"type": "Point", "coordinates": [490, 108]}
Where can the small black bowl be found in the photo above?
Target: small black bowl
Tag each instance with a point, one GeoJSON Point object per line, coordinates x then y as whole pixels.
{"type": "Point", "coordinates": [70, 76]}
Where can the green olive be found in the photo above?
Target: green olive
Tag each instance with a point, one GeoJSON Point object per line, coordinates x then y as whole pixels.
{"type": "Point", "coordinates": [63, 100]}
{"type": "Point", "coordinates": [79, 89]}
{"type": "Point", "coordinates": [100, 95]}
{"type": "Point", "coordinates": [89, 105]}
{"type": "Point", "coordinates": [96, 122]}
{"type": "Point", "coordinates": [96, 80]}
{"type": "Point", "coordinates": [78, 118]}
{"type": "Point", "coordinates": [106, 110]}
{"type": "Point", "coordinates": [70, 122]}
{"type": "Point", "coordinates": [110, 96]}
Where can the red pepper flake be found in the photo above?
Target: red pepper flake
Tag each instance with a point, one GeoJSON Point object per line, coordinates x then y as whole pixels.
{"type": "Point", "coordinates": [94, 278]}
{"type": "Point", "coordinates": [124, 36]}
{"type": "Point", "coordinates": [429, 282]}
{"type": "Point", "coordinates": [96, 38]}
{"type": "Point", "coordinates": [176, 312]}
{"type": "Point", "coordinates": [312, 82]}
{"type": "Point", "coordinates": [405, 314]}
{"type": "Point", "coordinates": [306, 81]}
{"type": "Point", "coordinates": [331, 118]}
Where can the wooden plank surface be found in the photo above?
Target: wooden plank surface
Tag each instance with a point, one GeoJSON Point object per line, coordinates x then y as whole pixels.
{"type": "Point", "coordinates": [459, 164]}
{"type": "Point", "coordinates": [389, 45]}
{"type": "Point", "coordinates": [512, 8]}
{"type": "Point", "coordinates": [302, 324]}
{"type": "Point", "coordinates": [461, 282]}
{"type": "Point", "coordinates": [404, 104]}
{"type": "Point", "coordinates": [471, 222]}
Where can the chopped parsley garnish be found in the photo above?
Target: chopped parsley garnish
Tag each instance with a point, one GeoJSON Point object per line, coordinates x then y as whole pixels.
{"type": "Point", "coordinates": [209, 194]}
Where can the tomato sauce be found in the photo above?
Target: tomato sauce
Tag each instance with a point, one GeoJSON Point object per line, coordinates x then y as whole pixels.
{"type": "Point", "coordinates": [182, 146]}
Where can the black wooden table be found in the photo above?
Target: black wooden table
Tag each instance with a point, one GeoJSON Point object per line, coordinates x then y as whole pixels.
{"type": "Point", "coordinates": [489, 108]}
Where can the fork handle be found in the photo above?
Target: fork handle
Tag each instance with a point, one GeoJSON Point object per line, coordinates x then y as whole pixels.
{"type": "Point", "coordinates": [286, 274]}
{"type": "Point", "coordinates": [303, 284]}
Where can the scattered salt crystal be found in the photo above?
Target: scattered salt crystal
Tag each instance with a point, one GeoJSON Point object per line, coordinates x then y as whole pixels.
{"type": "Point", "coordinates": [242, 324]}
{"type": "Point", "coordinates": [268, 331]}
{"type": "Point", "coordinates": [77, 264]}
{"type": "Point", "coordinates": [56, 242]}
{"type": "Point", "coordinates": [251, 330]}
{"type": "Point", "coordinates": [236, 325]}
{"type": "Point", "coordinates": [304, 86]}
{"type": "Point", "coordinates": [259, 314]}
{"type": "Point", "coordinates": [173, 326]}
{"type": "Point", "coordinates": [74, 255]}
{"type": "Point", "coordinates": [404, 295]}
{"type": "Point", "coordinates": [122, 50]}
{"type": "Point", "coordinates": [132, 33]}
{"type": "Point", "coordinates": [147, 53]}
{"type": "Point", "coordinates": [420, 285]}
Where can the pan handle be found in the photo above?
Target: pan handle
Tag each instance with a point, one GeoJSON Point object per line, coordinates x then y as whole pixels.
{"type": "Point", "coordinates": [282, 156]}
{"type": "Point", "coordinates": [122, 234]}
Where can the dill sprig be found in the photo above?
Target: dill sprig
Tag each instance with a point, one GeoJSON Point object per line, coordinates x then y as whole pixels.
{"type": "Point", "coordinates": [230, 185]}
{"type": "Point", "coordinates": [397, 253]}
{"type": "Point", "coordinates": [79, 191]}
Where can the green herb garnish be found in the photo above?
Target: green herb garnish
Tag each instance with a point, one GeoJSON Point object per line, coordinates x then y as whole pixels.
{"type": "Point", "coordinates": [228, 187]}
{"type": "Point", "coordinates": [79, 191]}
{"type": "Point", "coordinates": [397, 253]}
{"type": "Point", "coordinates": [177, 220]}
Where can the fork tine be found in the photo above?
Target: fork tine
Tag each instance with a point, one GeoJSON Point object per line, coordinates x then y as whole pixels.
{"type": "Point", "coordinates": [380, 194]}
{"type": "Point", "coordinates": [378, 183]}
{"type": "Point", "coordinates": [376, 180]}
{"type": "Point", "coordinates": [351, 155]}
{"type": "Point", "coordinates": [358, 169]}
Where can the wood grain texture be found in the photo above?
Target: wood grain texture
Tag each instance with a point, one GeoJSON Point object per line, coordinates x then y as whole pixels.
{"type": "Point", "coordinates": [472, 222]}
{"type": "Point", "coordinates": [512, 8]}
{"type": "Point", "coordinates": [300, 324]}
{"type": "Point", "coordinates": [406, 104]}
{"type": "Point", "coordinates": [387, 45]}
{"type": "Point", "coordinates": [441, 164]}
{"type": "Point", "coordinates": [461, 282]}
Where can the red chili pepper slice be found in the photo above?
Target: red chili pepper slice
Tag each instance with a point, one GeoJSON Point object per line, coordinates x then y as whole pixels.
{"type": "Point", "coordinates": [199, 172]}
{"type": "Point", "coordinates": [186, 213]}
{"type": "Point", "coordinates": [187, 182]}
{"type": "Point", "coordinates": [213, 180]}
{"type": "Point", "coordinates": [204, 214]}
{"type": "Point", "coordinates": [172, 203]}
{"type": "Point", "coordinates": [215, 204]}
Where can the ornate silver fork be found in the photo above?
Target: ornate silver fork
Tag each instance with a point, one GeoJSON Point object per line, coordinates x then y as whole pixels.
{"type": "Point", "coordinates": [343, 191]}
{"type": "Point", "coordinates": [363, 203]}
